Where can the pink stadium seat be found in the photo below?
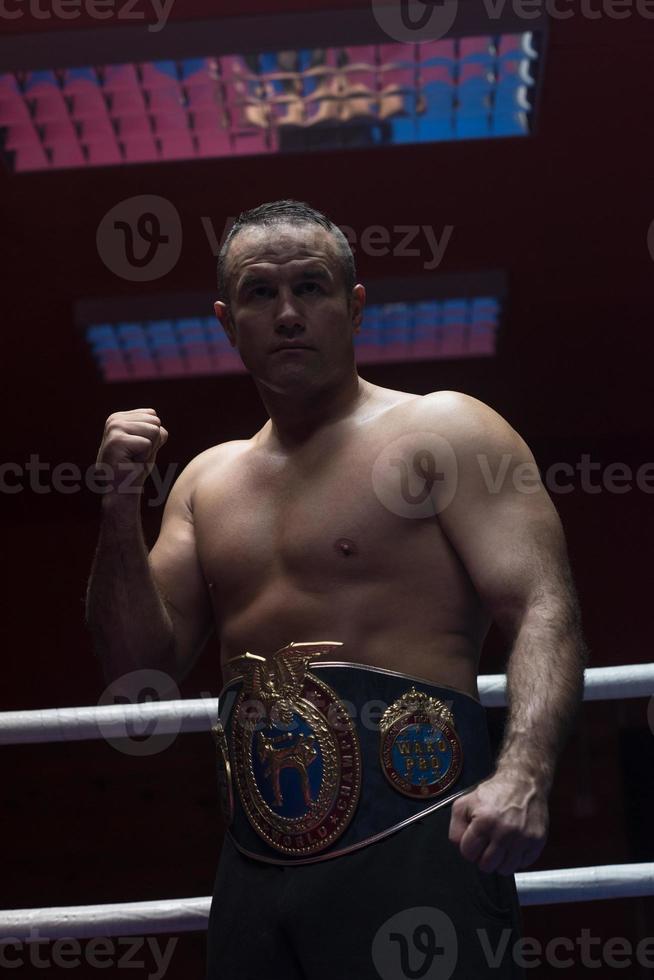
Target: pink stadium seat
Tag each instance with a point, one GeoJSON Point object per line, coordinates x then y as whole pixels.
{"type": "Point", "coordinates": [138, 149]}
{"type": "Point", "coordinates": [96, 130]}
{"type": "Point", "coordinates": [178, 146]}
{"type": "Point", "coordinates": [170, 99]}
{"type": "Point", "coordinates": [21, 135]}
{"type": "Point", "coordinates": [200, 96]}
{"type": "Point", "coordinates": [120, 78]}
{"type": "Point", "coordinates": [254, 142]}
{"type": "Point", "coordinates": [50, 105]}
{"type": "Point", "coordinates": [8, 85]}
{"type": "Point", "coordinates": [88, 102]}
{"type": "Point", "coordinates": [397, 55]}
{"type": "Point", "coordinates": [511, 45]}
{"type": "Point", "coordinates": [67, 155]}
{"type": "Point", "coordinates": [13, 110]}
{"type": "Point", "coordinates": [128, 103]}
{"type": "Point", "coordinates": [153, 76]}
{"type": "Point", "coordinates": [476, 49]}
{"type": "Point", "coordinates": [362, 56]}
{"type": "Point", "coordinates": [443, 74]}
{"type": "Point", "coordinates": [169, 124]}
{"type": "Point", "coordinates": [61, 131]}
{"type": "Point", "coordinates": [104, 153]}
{"type": "Point", "coordinates": [437, 52]}
{"type": "Point", "coordinates": [31, 157]}
{"type": "Point", "coordinates": [403, 78]}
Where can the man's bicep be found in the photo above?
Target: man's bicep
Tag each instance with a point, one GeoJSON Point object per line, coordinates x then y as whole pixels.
{"type": "Point", "coordinates": [503, 525]}
{"type": "Point", "coordinates": [178, 574]}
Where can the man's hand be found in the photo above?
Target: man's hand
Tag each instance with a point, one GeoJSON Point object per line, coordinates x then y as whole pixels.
{"type": "Point", "coordinates": [130, 443]}
{"type": "Point", "coordinates": [502, 824]}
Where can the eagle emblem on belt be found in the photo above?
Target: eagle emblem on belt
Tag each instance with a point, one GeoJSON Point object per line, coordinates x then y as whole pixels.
{"type": "Point", "coordinates": [297, 759]}
{"type": "Point", "coordinates": [420, 750]}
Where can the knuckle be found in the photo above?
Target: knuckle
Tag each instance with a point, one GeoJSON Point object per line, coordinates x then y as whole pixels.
{"type": "Point", "coordinates": [485, 821]}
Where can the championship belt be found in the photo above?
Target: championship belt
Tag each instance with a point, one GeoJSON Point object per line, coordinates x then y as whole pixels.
{"type": "Point", "coordinates": [307, 771]}
{"type": "Point", "coordinates": [420, 750]}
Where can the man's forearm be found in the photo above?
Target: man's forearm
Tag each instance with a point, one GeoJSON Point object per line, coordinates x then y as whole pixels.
{"type": "Point", "coordinates": [545, 678]}
{"type": "Point", "coordinates": [127, 617]}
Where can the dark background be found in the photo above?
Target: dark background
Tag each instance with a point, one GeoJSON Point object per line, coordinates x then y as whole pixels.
{"type": "Point", "coordinates": [565, 213]}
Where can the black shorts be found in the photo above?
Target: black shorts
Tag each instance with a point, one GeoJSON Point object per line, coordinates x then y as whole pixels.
{"type": "Point", "coordinates": [407, 906]}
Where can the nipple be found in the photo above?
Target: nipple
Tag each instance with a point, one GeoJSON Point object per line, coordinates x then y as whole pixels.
{"type": "Point", "coordinates": [346, 547]}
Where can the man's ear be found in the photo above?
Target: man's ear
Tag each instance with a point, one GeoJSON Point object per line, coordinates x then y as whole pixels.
{"type": "Point", "coordinates": [357, 305]}
{"type": "Point", "coordinates": [224, 316]}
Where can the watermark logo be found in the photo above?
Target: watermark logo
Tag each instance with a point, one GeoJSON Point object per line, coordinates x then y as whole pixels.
{"type": "Point", "coordinates": [416, 475]}
{"type": "Point", "coordinates": [122, 10]}
{"type": "Point", "coordinates": [415, 21]}
{"type": "Point", "coordinates": [650, 240]}
{"type": "Point", "coordinates": [148, 954]}
{"type": "Point", "coordinates": [42, 477]}
{"type": "Point", "coordinates": [377, 240]}
{"type": "Point", "coordinates": [418, 942]}
{"type": "Point", "coordinates": [140, 238]}
{"type": "Point", "coordinates": [143, 737]}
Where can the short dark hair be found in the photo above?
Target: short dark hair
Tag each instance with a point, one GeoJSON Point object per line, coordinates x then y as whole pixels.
{"type": "Point", "coordinates": [286, 212]}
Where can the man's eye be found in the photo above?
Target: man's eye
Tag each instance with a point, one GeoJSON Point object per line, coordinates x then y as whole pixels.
{"type": "Point", "coordinates": [313, 287]}
{"type": "Point", "coordinates": [260, 291]}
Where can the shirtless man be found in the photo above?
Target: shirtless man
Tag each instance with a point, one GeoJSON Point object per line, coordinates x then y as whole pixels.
{"type": "Point", "coordinates": [395, 524]}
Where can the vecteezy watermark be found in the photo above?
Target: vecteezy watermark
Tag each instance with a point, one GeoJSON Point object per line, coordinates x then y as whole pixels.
{"type": "Point", "coordinates": [128, 952]}
{"type": "Point", "coordinates": [418, 475]}
{"type": "Point", "coordinates": [373, 240]}
{"type": "Point", "coordinates": [423, 942]}
{"type": "Point", "coordinates": [413, 21]}
{"type": "Point", "coordinates": [583, 950]}
{"type": "Point", "coordinates": [150, 733]}
{"type": "Point", "coordinates": [255, 715]}
{"type": "Point", "coordinates": [588, 475]}
{"type": "Point", "coordinates": [42, 477]}
{"type": "Point", "coordinates": [95, 9]}
{"type": "Point", "coordinates": [417, 942]}
{"type": "Point", "coordinates": [156, 723]}
{"type": "Point", "coordinates": [140, 239]}
{"type": "Point", "coordinates": [376, 240]}
{"type": "Point", "coordinates": [418, 21]}
{"type": "Point", "coordinates": [650, 240]}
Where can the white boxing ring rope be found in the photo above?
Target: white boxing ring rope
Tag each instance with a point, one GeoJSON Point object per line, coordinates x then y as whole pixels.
{"type": "Point", "coordinates": [199, 714]}
{"type": "Point", "coordinates": [191, 914]}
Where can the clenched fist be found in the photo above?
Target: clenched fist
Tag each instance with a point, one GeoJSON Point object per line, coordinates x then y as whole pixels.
{"type": "Point", "coordinates": [129, 447]}
{"type": "Point", "coordinates": [502, 824]}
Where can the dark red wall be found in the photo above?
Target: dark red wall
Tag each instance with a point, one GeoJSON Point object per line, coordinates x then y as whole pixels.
{"type": "Point", "coordinates": [566, 214]}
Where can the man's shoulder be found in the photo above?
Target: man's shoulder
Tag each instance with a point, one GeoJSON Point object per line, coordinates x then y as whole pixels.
{"type": "Point", "coordinates": [219, 453]}
{"type": "Point", "coordinates": [207, 464]}
{"type": "Point", "coordinates": [453, 409]}
{"type": "Point", "coordinates": [465, 421]}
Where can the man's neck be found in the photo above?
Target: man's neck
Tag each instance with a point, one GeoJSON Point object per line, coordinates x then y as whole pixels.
{"type": "Point", "coordinates": [296, 418]}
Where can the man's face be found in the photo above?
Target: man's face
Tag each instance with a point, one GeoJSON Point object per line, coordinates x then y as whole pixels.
{"type": "Point", "coordinates": [286, 287]}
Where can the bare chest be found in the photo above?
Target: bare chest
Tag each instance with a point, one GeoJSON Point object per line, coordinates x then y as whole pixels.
{"type": "Point", "coordinates": [318, 521]}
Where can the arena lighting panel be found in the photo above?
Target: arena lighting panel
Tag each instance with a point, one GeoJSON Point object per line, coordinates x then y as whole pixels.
{"type": "Point", "coordinates": [426, 327]}
{"type": "Point", "coordinates": [477, 86]}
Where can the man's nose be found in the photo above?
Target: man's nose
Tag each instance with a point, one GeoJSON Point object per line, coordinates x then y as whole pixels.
{"type": "Point", "coordinates": [288, 318]}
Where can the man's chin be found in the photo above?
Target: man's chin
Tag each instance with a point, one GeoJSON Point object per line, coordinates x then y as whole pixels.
{"type": "Point", "coordinates": [291, 379]}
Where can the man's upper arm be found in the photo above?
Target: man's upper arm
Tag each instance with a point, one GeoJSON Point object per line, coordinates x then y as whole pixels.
{"type": "Point", "coordinates": [500, 518]}
{"type": "Point", "coordinates": [178, 574]}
